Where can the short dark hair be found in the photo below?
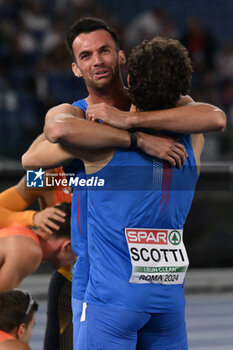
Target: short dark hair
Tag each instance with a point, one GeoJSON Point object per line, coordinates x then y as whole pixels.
{"type": "Point", "coordinates": [16, 307]}
{"type": "Point", "coordinates": [160, 70]}
{"type": "Point", "coordinates": [64, 227]}
{"type": "Point", "coordinates": [87, 25]}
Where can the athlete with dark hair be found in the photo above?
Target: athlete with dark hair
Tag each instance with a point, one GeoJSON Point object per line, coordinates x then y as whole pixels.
{"type": "Point", "coordinates": [17, 318]}
{"type": "Point", "coordinates": [166, 60]}
{"type": "Point", "coordinates": [96, 60]}
{"type": "Point", "coordinates": [13, 202]}
{"type": "Point", "coordinates": [87, 25]}
{"type": "Point", "coordinates": [23, 250]}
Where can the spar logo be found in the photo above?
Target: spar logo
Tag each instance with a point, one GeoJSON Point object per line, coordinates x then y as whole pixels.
{"type": "Point", "coordinates": [146, 236]}
{"type": "Point", "coordinates": [174, 237]}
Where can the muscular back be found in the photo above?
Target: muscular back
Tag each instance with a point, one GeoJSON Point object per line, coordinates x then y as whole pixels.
{"type": "Point", "coordinates": [19, 257]}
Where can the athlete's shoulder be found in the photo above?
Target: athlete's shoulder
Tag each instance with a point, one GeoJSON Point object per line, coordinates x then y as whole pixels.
{"type": "Point", "coordinates": [22, 245]}
{"type": "Point", "coordinates": [81, 104]}
{"type": "Point", "coordinates": [66, 108]}
{"type": "Point", "coordinates": [14, 344]}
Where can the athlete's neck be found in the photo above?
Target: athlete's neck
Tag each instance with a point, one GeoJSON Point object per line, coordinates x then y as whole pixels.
{"type": "Point", "coordinates": [117, 97]}
{"type": "Point", "coordinates": [46, 245]}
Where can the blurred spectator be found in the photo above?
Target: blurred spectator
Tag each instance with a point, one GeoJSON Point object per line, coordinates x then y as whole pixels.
{"type": "Point", "coordinates": [224, 62]}
{"type": "Point", "coordinates": [80, 8]}
{"type": "Point", "coordinates": [227, 94]}
{"type": "Point", "coordinates": [35, 71]}
{"type": "Point", "coordinates": [53, 37]}
{"type": "Point", "coordinates": [7, 32]}
{"type": "Point", "coordinates": [147, 25]}
{"type": "Point", "coordinates": [200, 44]}
{"type": "Point", "coordinates": [35, 18]}
{"type": "Point", "coordinates": [10, 8]}
{"type": "Point", "coordinates": [27, 44]}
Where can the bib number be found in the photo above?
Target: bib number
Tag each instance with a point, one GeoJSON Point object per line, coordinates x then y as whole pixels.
{"type": "Point", "coordinates": [157, 255]}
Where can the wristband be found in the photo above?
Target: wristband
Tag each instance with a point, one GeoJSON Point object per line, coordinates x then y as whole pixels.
{"type": "Point", "coordinates": [133, 139]}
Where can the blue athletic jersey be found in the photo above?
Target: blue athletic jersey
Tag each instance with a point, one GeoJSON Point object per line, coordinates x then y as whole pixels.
{"type": "Point", "coordinates": [79, 225]}
{"type": "Point", "coordinates": [139, 192]}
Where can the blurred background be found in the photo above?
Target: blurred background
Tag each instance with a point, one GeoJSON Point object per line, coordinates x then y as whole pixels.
{"type": "Point", "coordinates": [35, 75]}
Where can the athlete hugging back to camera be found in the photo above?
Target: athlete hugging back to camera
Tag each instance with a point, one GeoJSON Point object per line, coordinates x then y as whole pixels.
{"type": "Point", "coordinates": [137, 256]}
{"type": "Point", "coordinates": [132, 311]}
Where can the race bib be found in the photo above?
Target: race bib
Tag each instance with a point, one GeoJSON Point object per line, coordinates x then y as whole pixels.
{"type": "Point", "coordinates": [157, 255]}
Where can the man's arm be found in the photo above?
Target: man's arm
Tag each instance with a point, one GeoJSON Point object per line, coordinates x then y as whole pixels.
{"type": "Point", "coordinates": [49, 155]}
{"type": "Point", "coordinates": [9, 217]}
{"type": "Point", "coordinates": [188, 117]}
{"type": "Point", "coordinates": [84, 138]}
{"type": "Point", "coordinates": [15, 199]}
{"type": "Point", "coordinates": [65, 108]}
{"type": "Point", "coordinates": [45, 154]}
{"type": "Point", "coordinates": [71, 131]}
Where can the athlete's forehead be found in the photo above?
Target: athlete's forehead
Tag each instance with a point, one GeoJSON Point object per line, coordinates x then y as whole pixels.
{"type": "Point", "coordinates": [93, 41]}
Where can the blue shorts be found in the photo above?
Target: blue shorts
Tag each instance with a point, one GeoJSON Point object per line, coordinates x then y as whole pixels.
{"type": "Point", "coordinates": [77, 306]}
{"type": "Point", "coordinates": [106, 328]}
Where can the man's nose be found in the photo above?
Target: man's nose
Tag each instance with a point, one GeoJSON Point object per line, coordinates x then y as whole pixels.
{"type": "Point", "coordinates": [97, 59]}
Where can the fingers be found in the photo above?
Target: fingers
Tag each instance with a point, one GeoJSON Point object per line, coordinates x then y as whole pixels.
{"type": "Point", "coordinates": [45, 229]}
{"type": "Point", "coordinates": [182, 148]}
{"type": "Point", "coordinates": [48, 226]}
{"type": "Point", "coordinates": [179, 154]}
{"type": "Point", "coordinates": [92, 112]}
{"type": "Point", "coordinates": [43, 219]}
{"type": "Point", "coordinates": [93, 118]}
{"type": "Point", "coordinates": [57, 214]}
{"type": "Point", "coordinates": [90, 116]}
{"type": "Point", "coordinates": [51, 224]}
{"type": "Point", "coordinates": [170, 160]}
{"type": "Point", "coordinates": [174, 159]}
{"type": "Point", "coordinates": [178, 159]}
{"type": "Point", "coordinates": [176, 155]}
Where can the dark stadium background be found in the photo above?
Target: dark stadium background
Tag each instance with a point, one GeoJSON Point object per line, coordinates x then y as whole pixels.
{"type": "Point", "coordinates": [35, 74]}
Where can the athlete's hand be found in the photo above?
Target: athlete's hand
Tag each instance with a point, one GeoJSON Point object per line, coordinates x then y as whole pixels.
{"type": "Point", "coordinates": [162, 147]}
{"type": "Point", "coordinates": [108, 114]}
{"type": "Point", "coordinates": [42, 219]}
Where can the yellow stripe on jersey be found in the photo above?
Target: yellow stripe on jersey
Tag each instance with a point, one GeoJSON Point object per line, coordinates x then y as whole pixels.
{"type": "Point", "coordinates": [66, 271]}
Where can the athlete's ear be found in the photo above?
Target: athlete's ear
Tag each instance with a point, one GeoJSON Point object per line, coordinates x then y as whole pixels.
{"type": "Point", "coordinates": [121, 58]}
{"type": "Point", "coordinates": [67, 252]}
{"type": "Point", "coordinates": [76, 70]}
{"type": "Point", "coordinates": [66, 245]}
{"type": "Point", "coordinates": [67, 249]}
{"type": "Point", "coordinates": [20, 331]}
